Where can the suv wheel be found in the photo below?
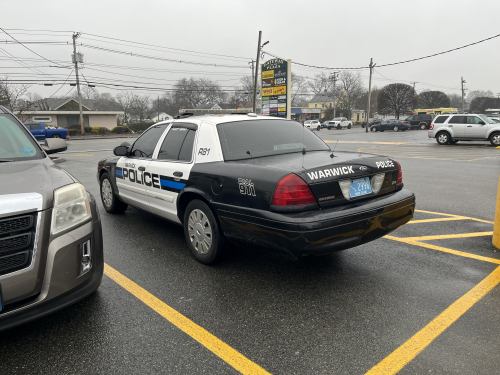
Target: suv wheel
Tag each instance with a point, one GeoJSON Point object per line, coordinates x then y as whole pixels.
{"type": "Point", "coordinates": [109, 199]}
{"type": "Point", "coordinates": [443, 138]}
{"type": "Point", "coordinates": [495, 139]}
{"type": "Point", "coordinates": [203, 235]}
{"type": "Point", "coordinates": [423, 125]}
{"type": "Point", "coordinates": [329, 128]}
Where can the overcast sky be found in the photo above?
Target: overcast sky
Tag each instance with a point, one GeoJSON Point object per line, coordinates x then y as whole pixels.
{"type": "Point", "coordinates": [321, 33]}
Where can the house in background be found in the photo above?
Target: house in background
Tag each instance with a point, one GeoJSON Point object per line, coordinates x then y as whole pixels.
{"type": "Point", "coordinates": [62, 113]}
{"type": "Point", "coordinates": [162, 117]}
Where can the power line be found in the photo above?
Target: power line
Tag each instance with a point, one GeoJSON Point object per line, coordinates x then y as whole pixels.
{"type": "Point", "coordinates": [62, 85]}
{"type": "Point", "coordinates": [27, 47]}
{"type": "Point", "coordinates": [389, 64]}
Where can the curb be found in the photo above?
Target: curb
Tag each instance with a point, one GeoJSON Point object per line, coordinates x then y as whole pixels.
{"type": "Point", "coordinates": [57, 159]}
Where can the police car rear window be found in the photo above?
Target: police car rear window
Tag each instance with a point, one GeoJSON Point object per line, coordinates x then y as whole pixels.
{"type": "Point", "coordinates": [250, 139]}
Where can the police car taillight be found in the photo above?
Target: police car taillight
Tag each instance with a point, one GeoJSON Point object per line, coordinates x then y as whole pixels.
{"type": "Point", "coordinates": [292, 191]}
{"type": "Point", "coordinates": [400, 175]}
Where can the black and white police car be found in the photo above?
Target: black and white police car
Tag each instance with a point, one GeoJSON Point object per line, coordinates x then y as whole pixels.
{"type": "Point", "coordinates": [256, 180]}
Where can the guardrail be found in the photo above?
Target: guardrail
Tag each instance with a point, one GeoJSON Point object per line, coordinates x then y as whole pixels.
{"type": "Point", "coordinates": [496, 228]}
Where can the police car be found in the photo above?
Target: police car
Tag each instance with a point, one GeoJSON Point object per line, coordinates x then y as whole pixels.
{"type": "Point", "coordinates": [255, 180]}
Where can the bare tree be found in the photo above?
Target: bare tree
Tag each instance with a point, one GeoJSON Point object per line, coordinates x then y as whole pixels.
{"type": "Point", "coordinates": [125, 101]}
{"type": "Point", "coordinates": [321, 83]}
{"type": "Point", "coordinates": [433, 99]}
{"type": "Point", "coordinates": [11, 93]}
{"type": "Point", "coordinates": [105, 102]}
{"type": "Point", "coordinates": [477, 93]}
{"type": "Point", "coordinates": [350, 91]}
{"type": "Point", "coordinates": [455, 100]}
{"type": "Point", "coordinates": [397, 99]}
{"type": "Point", "coordinates": [363, 100]}
{"type": "Point", "coordinates": [297, 91]}
{"type": "Point", "coordinates": [141, 106]}
{"type": "Point", "coordinates": [192, 92]}
{"type": "Point", "coordinates": [481, 103]}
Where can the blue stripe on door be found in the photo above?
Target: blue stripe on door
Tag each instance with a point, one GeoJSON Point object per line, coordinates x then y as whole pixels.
{"type": "Point", "coordinates": [119, 173]}
{"type": "Point", "coordinates": [172, 184]}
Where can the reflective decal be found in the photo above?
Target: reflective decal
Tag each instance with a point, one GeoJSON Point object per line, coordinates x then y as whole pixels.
{"type": "Point", "coordinates": [246, 187]}
{"type": "Point", "coordinates": [331, 172]}
{"type": "Point", "coordinates": [385, 164]}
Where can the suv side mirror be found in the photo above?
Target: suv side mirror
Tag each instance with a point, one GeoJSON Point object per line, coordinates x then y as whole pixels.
{"type": "Point", "coordinates": [482, 123]}
{"type": "Point", "coordinates": [121, 151]}
{"type": "Point", "coordinates": [53, 145]}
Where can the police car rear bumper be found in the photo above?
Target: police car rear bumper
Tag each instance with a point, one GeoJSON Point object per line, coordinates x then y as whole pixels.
{"type": "Point", "coordinates": [321, 231]}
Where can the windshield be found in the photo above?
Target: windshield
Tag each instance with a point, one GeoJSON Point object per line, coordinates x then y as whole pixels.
{"type": "Point", "coordinates": [307, 122]}
{"type": "Point", "coordinates": [486, 119]}
{"type": "Point", "coordinates": [250, 139]}
{"type": "Point", "coordinates": [15, 143]}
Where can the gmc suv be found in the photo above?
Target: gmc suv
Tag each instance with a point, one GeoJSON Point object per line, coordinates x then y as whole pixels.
{"type": "Point", "coordinates": [420, 121]}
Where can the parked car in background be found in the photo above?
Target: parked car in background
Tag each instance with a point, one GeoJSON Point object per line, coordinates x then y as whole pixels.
{"type": "Point", "coordinates": [313, 124]}
{"type": "Point", "coordinates": [371, 121]}
{"type": "Point", "coordinates": [50, 230]}
{"type": "Point", "coordinates": [420, 121]}
{"type": "Point", "coordinates": [40, 132]}
{"type": "Point", "coordinates": [339, 123]}
{"type": "Point", "coordinates": [449, 129]}
{"type": "Point", "coordinates": [390, 124]}
{"type": "Point", "coordinates": [495, 118]}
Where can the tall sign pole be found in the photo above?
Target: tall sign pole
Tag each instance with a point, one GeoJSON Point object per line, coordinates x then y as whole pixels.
{"type": "Point", "coordinates": [288, 88]}
{"type": "Point", "coordinates": [256, 75]}
{"type": "Point", "coordinates": [75, 59]}
{"type": "Point", "coordinates": [369, 96]}
{"type": "Point", "coordinates": [276, 81]}
{"type": "Point", "coordinates": [462, 81]}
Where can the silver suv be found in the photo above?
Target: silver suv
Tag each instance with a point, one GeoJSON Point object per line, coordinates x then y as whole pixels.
{"type": "Point", "coordinates": [449, 129]}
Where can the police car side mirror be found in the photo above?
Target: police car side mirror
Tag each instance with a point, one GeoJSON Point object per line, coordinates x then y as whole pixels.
{"type": "Point", "coordinates": [121, 151]}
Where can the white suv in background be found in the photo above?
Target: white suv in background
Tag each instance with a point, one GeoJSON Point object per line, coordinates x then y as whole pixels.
{"type": "Point", "coordinates": [339, 123]}
{"type": "Point", "coordinates": [449, 129]}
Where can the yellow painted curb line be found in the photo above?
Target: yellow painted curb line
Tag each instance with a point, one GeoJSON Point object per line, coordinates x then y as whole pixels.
{"type": "Point", "coordinates": [496, 228]}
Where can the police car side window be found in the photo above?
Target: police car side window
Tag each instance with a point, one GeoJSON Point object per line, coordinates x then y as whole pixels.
{"type": "Point", "coordinates": [146, 143]}
{"type": "Point", "coordinates": [178, 145]}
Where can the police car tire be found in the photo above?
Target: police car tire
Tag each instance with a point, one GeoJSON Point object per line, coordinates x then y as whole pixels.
{"type": "Point", "coordinates": [116, 206]}
{"type": "Point", "coordinates": [216, 249]}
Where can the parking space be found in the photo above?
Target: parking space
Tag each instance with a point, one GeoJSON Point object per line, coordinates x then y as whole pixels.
{"type": "Point", "coordinates": [422, 300]}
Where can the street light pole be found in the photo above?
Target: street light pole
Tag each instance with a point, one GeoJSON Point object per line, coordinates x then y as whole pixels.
{"type": "Point", "coordinates": [256, 75]}
{"type": "Point", "coordinates": [462, 81]}
{"type": "Point", "coordinates": [334, 100]}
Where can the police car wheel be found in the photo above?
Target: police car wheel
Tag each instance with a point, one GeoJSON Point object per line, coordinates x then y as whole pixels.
{"type": "Point", "coordinates": [203, 236]}
{"type": "Point", "coordinates": [109, 200]}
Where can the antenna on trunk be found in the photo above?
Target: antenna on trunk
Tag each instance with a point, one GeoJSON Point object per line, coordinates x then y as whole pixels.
{"type": "Point", "coordinates": [334, 147]}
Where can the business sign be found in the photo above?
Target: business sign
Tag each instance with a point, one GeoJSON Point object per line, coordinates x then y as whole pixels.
{"type": "Point", "coordinates": [275, 88]}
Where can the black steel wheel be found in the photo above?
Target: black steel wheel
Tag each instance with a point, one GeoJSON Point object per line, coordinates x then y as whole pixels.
{"type": "Point", "coordinates": [56, 136]}
{"type": "Point", "coordinates": [110, 201]}
{"type": "Point", "coordinates": [202, 232]}
{"type": "Point", "coordinates": [423, 126]}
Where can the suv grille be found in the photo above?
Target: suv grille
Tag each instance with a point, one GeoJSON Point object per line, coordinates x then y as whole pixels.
{"type": "Point", "coordinates": [16, 242]}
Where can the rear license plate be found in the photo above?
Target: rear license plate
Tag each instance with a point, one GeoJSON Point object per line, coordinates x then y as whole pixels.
{"type": "Point", "coordinates": [360, 187]}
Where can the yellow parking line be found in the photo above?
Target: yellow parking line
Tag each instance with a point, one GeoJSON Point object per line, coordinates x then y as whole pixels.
{"type": "Point", "coordinates": [435, 213]}
{"type": "Point", "coordinates": [369, 142]}
{"type": "Point", "coordinates": [205, 338]}
{"type": "Point", "coordinates": [399, 358]}
{"type": "Point", "coordinates": [448, 236]}
{"type": "Point", "coordinates": [443, 249]}
{"type": "Point", "coordinates": [462, 217]}
{"type": "Point", "coordinates": [438, 219]}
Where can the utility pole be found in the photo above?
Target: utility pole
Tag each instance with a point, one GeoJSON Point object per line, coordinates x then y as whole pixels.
{"type": "Point", "coordinates": [253, 78]}
{"type": "Point", "coordinates": [414, 85]}
{"type": "Point", "coordinates": [158, 106]}
{"type": "Point", "coordinates": [75, 60]}
{"type": "Point", "coordinates": [462, 82]}
{"type": "Point", "coordinates": [256, 75]}
{"type": "Point", "coordinates": [369, 96]}
{"type": "Point", "coordinates": [334, 78]}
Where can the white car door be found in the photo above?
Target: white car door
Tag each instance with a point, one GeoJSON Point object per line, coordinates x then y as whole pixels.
{"type": "Point", "coordinates": [476, 128]}
{"type": "Point", "coordinates": [130, 169]}
{"type": "Point", "coordinates": [168, 173]}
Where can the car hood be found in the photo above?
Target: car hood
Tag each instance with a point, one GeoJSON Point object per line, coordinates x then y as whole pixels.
{"type": "Point", "coordinates": [38, 177]}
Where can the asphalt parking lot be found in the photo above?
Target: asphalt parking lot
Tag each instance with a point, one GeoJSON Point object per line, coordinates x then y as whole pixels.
{"type": "Point", "coordinates": [422, 300]}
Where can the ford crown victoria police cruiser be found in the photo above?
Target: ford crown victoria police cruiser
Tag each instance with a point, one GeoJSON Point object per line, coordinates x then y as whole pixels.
{"type": "Point", "coordinates": [256, 180]}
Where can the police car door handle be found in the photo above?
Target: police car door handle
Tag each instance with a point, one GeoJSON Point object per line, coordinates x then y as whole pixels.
{"type": "Point", "coordinates": [142, 169]}
{"type": "Point", "coordinates": [178, 174]}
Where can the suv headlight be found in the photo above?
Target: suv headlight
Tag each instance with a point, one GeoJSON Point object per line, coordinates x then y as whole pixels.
{"type": "Point", "coordinates": [71, 207]}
